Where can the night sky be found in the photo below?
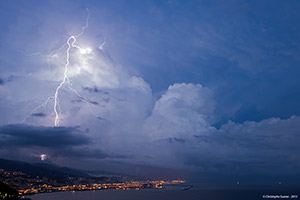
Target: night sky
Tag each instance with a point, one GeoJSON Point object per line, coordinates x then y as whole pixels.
{"type": "Point", "coordinates": [205, 88]}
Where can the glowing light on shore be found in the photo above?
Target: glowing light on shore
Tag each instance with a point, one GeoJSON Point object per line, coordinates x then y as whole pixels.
{"type": "Point", "coordinates": [43, 157]}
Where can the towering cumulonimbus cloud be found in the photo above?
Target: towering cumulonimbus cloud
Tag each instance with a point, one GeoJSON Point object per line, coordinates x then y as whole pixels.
{"type": "Point", "coordinates": [184, 110]}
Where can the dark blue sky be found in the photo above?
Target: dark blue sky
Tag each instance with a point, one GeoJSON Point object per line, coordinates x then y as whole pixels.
{"type": "Point", "coordinates": [210, 77]}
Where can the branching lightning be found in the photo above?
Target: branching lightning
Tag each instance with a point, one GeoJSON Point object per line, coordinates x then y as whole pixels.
{"type": "Point", "coordinates": [56, 121]}
{"type": "Point", "coordinates": [37, 108]}
{"type": "Point", "coordinates": [70, 43]}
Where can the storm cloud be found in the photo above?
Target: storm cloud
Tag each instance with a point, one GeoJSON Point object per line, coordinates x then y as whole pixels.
{"type": "Point", "coordinates": [58, 143]}
{"type": "Point", "coordinates": [24, 135]}
{"type": "Point", "coordinates": [38, 114]}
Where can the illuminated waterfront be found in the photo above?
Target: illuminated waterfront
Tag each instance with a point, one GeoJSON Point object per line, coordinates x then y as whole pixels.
{"type": "Point", "coordinates": [86, 187]}
{"type": "Point", "coordinates": [27, 185]}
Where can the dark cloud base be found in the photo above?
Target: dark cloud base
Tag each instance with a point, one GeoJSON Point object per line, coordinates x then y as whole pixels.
{"type": "Point", "coordinates": [26, 142]}
{"type": "Point", "coordinates": [38, 115]}
{"type": "Point", "coordinates": [24, 135]}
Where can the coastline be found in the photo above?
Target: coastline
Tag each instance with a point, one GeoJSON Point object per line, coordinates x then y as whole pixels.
{"type": "Point", "coordinates": [169, 192]}
{"type": "Point", "coordinates": [134, 185]}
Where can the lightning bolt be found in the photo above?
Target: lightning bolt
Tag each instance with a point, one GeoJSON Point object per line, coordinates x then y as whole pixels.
{"type": "Point", "coordinates": [101, 45]}
{"type": "Point", "coordinates": [56, 121]}
{"type": "Point", "coordinates": [36, 108]}
{"type": "Point", "coordinates": [70, 43]}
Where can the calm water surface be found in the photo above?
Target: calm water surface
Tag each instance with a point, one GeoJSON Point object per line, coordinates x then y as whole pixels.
{"type": "Point", "coordinates": [170, 192]}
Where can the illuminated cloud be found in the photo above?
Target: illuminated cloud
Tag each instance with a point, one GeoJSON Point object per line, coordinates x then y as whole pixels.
{"type": "Point", "coordinates": [184, 110]}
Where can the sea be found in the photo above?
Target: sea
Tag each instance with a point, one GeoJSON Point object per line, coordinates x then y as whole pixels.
{"type": "Point", "coordinates": [172, 193]}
